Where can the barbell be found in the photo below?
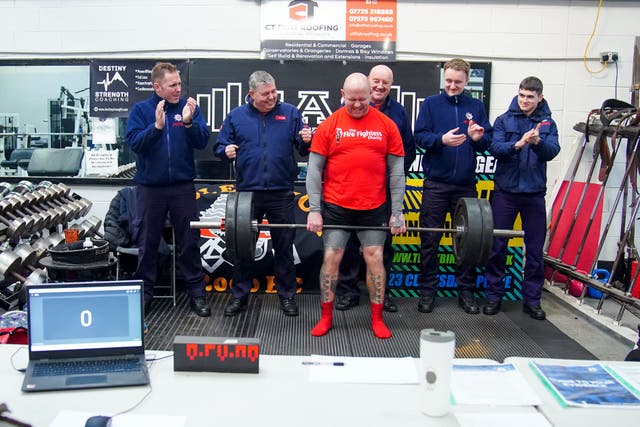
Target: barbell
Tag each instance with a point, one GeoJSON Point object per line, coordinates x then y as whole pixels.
{"type": "Point", "coordinates": [472, 235]}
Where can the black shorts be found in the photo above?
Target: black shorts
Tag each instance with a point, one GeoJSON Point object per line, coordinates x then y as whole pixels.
{"type": "Point", "coordinates": [337, 215]}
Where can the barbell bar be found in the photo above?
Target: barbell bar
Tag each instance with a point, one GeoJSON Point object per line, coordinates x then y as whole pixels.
{"type": "Point", "coordinates": [472, 242]}
{"type": "Point", "coordinates": [221, 225]}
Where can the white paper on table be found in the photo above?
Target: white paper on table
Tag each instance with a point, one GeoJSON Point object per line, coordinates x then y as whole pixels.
{"type": "Point", "coordinates": [498, 385]}
{"type": "Point", "coordinates": [493, 419]}
{"type": "Point", "coordinates": [363, 370]}
{"type": "Point", "coordinates": [66, 418]}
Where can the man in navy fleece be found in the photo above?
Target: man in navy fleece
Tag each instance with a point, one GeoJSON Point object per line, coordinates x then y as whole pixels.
{"type": "Point", "coordinates": [261, 136]}
{"type": "Point", "coordinates": [525, 138]}
{"type": "Point", "coordinates": [451, 127]}
{"type": "Point", "coordinates": [163, 131]}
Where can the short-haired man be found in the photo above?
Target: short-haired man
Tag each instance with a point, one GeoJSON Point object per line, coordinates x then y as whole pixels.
{"type": "Point", "coordinates": [352, 153]}
{"type": "Point", "coordinates": [163, 131]}
{"type": "Point", "coordinates": [347, 291]}
{"type": "Point", "coordinates": [451, 127]}
{"type": "Point", "coordinates": [261, 136]}
{"type": "Point", "coordinates": [525, 138]}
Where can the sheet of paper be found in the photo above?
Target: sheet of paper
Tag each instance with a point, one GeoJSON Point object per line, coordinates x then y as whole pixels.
{"type": "Point", "coordinates": [498, 385]}
{"type": "Point", "coordinates": [67, 418]}
{"type": "Point", "coordinates": [493, 419]}
{"type": "Point", "coordinates": [103, 131]}
{"type": "Point", "coordinates": [363, 370]}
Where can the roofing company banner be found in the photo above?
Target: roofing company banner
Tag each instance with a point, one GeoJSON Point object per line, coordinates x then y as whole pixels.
{"type": "Point", "coordinates": [117, 84]}
{"type": "Point", "coordinates": [330, 30]}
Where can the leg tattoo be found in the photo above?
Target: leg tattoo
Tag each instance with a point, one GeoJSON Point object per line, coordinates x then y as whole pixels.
{"type": "Point", "coordinates": [328, 283]}
{"type": "Point", "coordinates": [375, 285]}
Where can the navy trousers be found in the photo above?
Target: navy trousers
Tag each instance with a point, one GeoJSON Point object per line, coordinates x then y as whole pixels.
{"type": "Point", "coordinates": [152, 206]}
{"type": "Point", "coordinates": [534, 223]}
{"type": "Point", "coordinates": [438, 199]}
{"type": "Point", "coordinates": [278, 206]}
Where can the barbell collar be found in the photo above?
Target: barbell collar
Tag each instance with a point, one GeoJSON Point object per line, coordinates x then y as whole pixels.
{"type": "Point", "coordinates": [219, 225]}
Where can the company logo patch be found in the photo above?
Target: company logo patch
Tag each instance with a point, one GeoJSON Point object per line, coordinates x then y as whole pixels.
{"type": "Point", "coordinates": [301, 10]}
{"type": "Point", "coordinates": [281, 118]}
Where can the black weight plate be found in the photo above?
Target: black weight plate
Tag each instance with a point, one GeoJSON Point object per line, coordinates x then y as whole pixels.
{"type": "Point", "coordinates": [231, 253]}
{"type": "Point", "coordinates": [486, 244]}
{"type": "Point", "coordinates": [467, 244]}
{"type": "Point", "coordinates": [245, 234]}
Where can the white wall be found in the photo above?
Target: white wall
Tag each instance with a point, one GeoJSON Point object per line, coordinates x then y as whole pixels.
{"type": "Point", "coordinates": [520, 38]}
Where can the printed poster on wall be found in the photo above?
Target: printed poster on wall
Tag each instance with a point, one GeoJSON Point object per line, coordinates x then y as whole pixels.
{"type": "Point", "coordinates": [307, 30]}
{"type": "Point", "coordinates": [117, 84]}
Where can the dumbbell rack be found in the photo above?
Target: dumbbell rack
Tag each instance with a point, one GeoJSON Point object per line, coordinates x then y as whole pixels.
{"type": "Point", "coordinates": [624, 134]}
{"type": "Point", "coordinates": [33, 217]}
{"type": "Point", "coordinates": [127, 171]}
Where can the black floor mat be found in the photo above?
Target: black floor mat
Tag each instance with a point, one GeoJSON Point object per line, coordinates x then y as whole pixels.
{"type": "Point", "coordinates": [509, 333]}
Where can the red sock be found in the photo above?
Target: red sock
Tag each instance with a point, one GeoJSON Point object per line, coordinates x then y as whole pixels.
{"type": "Point", "coordinates": [326, 320]}
{"type": "Point", "coordinates": [380, 330]}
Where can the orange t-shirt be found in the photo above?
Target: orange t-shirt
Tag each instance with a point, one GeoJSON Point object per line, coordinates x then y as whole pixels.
{"type": "Point", "coordinates": [355, 176]}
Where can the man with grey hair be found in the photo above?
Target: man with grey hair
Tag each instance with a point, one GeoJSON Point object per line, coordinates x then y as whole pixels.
{"type": "Point", "coordinates": [353, 152]}
{"type": "Point", "coordinates": [260, 136]}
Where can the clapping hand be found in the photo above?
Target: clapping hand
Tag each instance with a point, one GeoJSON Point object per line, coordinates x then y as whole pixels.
{"type": "Point", "coordinates": [189, 110]}
{"type": "Point", "coordinates": [453, 139]}
{"type": "Point", "coordinates": [475, 131]}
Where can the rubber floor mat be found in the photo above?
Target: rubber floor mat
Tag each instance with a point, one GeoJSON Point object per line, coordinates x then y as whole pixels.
{"type": "Point", "coordinates": [509, 333]}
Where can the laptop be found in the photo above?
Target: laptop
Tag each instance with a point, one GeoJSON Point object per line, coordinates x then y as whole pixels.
{"type": "Point", "coordinates": [85, 335]}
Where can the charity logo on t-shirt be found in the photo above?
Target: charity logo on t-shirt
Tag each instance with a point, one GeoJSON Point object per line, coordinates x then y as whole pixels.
{"type": "Point", "coordinates": [371, 135]}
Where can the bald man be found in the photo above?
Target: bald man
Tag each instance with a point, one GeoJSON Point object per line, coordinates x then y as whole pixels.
{"type": "Point", "coordinates": [347, 291]}
{"type": "Point", "coordinates": [352, 153]}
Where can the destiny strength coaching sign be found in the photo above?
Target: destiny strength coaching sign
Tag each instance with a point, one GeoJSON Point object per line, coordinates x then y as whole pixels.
{"type": "Point", "coordinates": [117, 84]}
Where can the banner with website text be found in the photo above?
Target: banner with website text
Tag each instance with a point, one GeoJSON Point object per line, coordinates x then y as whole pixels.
{"type": "Point", "coordinates": [307, 30]}
{"type": "Point", "coordinates": [117, 84]}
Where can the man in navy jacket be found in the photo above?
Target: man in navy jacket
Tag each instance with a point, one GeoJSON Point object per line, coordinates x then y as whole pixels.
{"type": "Point", "coordinates": [261, 136]}
{"type": "Point", "coordinates": [163, 131]}
{"type": "Point", "coordinates": [347, 292]}
{"type": "Point", "coordinates": [451, 127]}
{"type": "Point", "coordinates": [525, 138]}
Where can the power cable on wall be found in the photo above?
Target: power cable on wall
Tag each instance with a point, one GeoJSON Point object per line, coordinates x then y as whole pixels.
{"type": "Point", "coordinates": [616, 83]}
{"type": "Point", "coordinates": [586, 49]}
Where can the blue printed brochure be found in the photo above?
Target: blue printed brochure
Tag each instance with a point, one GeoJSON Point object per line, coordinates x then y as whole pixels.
{"type": "Point", "coordinates": [586, 385]}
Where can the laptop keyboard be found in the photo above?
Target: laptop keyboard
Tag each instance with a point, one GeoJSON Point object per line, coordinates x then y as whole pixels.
{"type": "Point", "coordinates": [78, 367]}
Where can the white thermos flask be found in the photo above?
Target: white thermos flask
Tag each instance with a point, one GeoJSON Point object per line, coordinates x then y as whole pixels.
{"type": "Point", "coordinates": [437, 349]}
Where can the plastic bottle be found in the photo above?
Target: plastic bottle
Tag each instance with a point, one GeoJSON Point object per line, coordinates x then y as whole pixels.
{"type": "Point", "coordinates": [437, 350]}
{"type": "Point", "coordinates": [87, 243]}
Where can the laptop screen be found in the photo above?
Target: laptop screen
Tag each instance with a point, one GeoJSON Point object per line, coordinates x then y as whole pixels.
{"type": "Point", "coordinates": [85, 316]}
